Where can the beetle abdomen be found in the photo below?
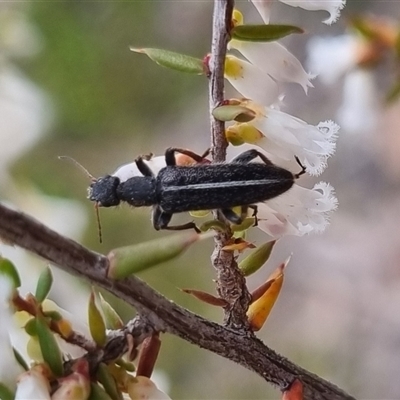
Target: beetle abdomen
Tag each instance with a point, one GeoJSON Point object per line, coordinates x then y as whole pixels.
{"type": "Point", "coordinates": [220, 186]}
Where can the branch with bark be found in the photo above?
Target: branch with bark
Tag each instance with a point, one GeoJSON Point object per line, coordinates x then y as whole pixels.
{"type": "Point", "coordinates": [158, 314]}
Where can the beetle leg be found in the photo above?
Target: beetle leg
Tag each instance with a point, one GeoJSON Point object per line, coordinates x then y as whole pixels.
{"type": "Point", "coordinates": [303, 168]}
{"type": "Point", "coordinates": [250, 155]}
{"type": "Point", "coordinates": [161, 219]}
{"type": "Point", "coordinates": [255, 212]}
{"type": "Point", "coordinates": [170, 155]}
{"type": "Point", "coordinates": [231, 216]}
{"type": "Point", "coordinates": [144, 169]}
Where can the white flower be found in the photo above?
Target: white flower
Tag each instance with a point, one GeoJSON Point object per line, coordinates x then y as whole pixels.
{"type": "Point", "coordinates": [285, 137]}
{"type": "Point", "coordinates": [142, 388]}
{"type": "Point", "coordinates": [298, 211]}
{"type": "Point", "coordinates": [275, 60]}
{"type": "Point", "coordinates": [250, 81]}
{"type": "Point", "coordinates": [264, 8]}
{"type": "Point", "coordinates": [126, 171]}
{"type": "Point", "coordinates": [33, 385]}
{"type": "Point", "coordinates": [331, 57]}
{"type": "Point", "coordinates": [332, 6]}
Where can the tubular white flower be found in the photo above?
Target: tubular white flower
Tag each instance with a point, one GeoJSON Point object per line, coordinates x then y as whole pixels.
{"type": "Point", "coordinates": [285, 137]}
{"type": "Point", "coordinates": [142, 388]}
{"type": "Point", "coordinates": [9, 367]}
{"type": "Point", "coordinates": [32, 385]}
{"type": "Point", "coordinates": [264, 8]}
{"type": "Point", "coordinates": [250, 81]}
{"type": "Point", "coordinates": [331, 57]}
{"type": "Point", "coordinates": [275, 60]}
{"type": "Point", "coordinates": [298, 212]}
{"type": "Point", "coordinates": [332, 6]}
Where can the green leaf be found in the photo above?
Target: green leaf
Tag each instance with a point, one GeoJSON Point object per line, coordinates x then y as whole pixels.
{"type": "Point", "coordinates": [107, 380]}
{"type": "Point", "coordinates": [172, 60]}
{"type": "Point", "coordinates": [98, 393]}
{"type": "Point", "coordinates": [49, 347]}
{"type": "Point", "coordinates": [8, 269]}
{"type": "Point", "coordinates": [112, 319]}
{"type": "Point", "coordinates": [233, 113]}
{"type": "Point", "coordinates": [20, 360]}
{"type": "Point", "coordinates": [128, 260]}
{"type": "Point", "coordinates": [256, 259]}
{"type": "Point", "coordinates": [44, 285]}
{"type": "Point", "coordinates": [96, 323]}
{"type": "Point", "coordinates": [263, 33]}
{"type": "Point", "coordinates": [6, 393]}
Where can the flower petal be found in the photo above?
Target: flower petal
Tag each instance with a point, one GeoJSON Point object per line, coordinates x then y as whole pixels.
{"type": "Point", "coordinates": [298, 211]}
{"type": "Point", "coordinates": [264, 8]}
{"type": "Point", "coordinates": [286, 136]}
{"type": "Point", "coordinates": [332, 6]}
{"type": "Point", "coordinates": [275, 60]}
{"type": "Point", "coordinates": [250, 81]}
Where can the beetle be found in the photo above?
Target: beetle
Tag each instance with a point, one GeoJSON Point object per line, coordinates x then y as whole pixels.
{"type": "Point", "coordinates": [201, 186]}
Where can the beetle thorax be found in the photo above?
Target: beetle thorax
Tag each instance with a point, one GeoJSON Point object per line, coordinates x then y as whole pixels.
{"type": "Point", "coordinates": [138, 191]}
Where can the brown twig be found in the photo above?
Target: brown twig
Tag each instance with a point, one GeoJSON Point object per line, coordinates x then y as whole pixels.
{"type": "Point", "coordinates": [231, 284]}
{"type": "Point", "coordinates": [158, 313]}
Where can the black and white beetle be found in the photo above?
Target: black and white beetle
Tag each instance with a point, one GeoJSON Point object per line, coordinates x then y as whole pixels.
{"type": "Point", "coordinates": [201, 186]}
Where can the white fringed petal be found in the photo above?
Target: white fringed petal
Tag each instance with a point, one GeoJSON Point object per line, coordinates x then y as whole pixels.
{"type": "Point", "coordinates": [251, 82]}
{"type": "Point", "coordinates": [332, 6]}
{"type": "Point", "coordinates": [298, 212]}
{"type": "Point", "coordinates": [275, 60]}
{"type": "Point", "coordinates": [286, 136]}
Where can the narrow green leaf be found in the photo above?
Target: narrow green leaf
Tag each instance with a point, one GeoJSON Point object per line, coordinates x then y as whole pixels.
{"type": "Point", "coordinates": [96, 323]}
{"type": "Point", "coordinates": [172, 60]}
{"type": "Point", "coordinates": [49, 347]}
{"type": "Point", "coordinates": [20, 359]}
{"type": "Point", "coordinates": [6, 393]}
{"type": "Point", "coordinates": [107, 380]}
{"type": "Point", "coordinates": [44, 285]}
{"type": "Point", "coordinates": [112, 319]}
{"type": "Point", "coordinates": [128, 260]}
{"type": "Point", "coordinates": [263, 33]}
{"type": "Point", "coordinates": [98, 393]}
{"type": "Point", "coordinates": [233, 113]}
{"type": "Point", "coordinates": [7, 268]}
{"type": "Point", "coordinates": [256, 259]}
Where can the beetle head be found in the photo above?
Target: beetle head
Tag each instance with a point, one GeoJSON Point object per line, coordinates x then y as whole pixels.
{"type": "Point", "coordinates": [104, 191]}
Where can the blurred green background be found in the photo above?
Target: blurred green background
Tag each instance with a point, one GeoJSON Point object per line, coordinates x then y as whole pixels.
{"type": "Point", "coordinates": [103, 105]}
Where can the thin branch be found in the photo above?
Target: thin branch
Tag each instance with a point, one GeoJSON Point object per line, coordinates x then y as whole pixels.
{"type": "Point", "coordinates": [158, 312]}
{"type": "Point", "coordinates": [231, 284]}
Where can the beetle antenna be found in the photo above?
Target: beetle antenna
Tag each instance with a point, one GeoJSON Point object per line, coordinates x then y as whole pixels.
{"type": "Point", "coordinates": [303, 168]}
{"type": "Point", "coordinates": [96, 208]}
{"type": "Point", "coordinates": [79, 166]}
